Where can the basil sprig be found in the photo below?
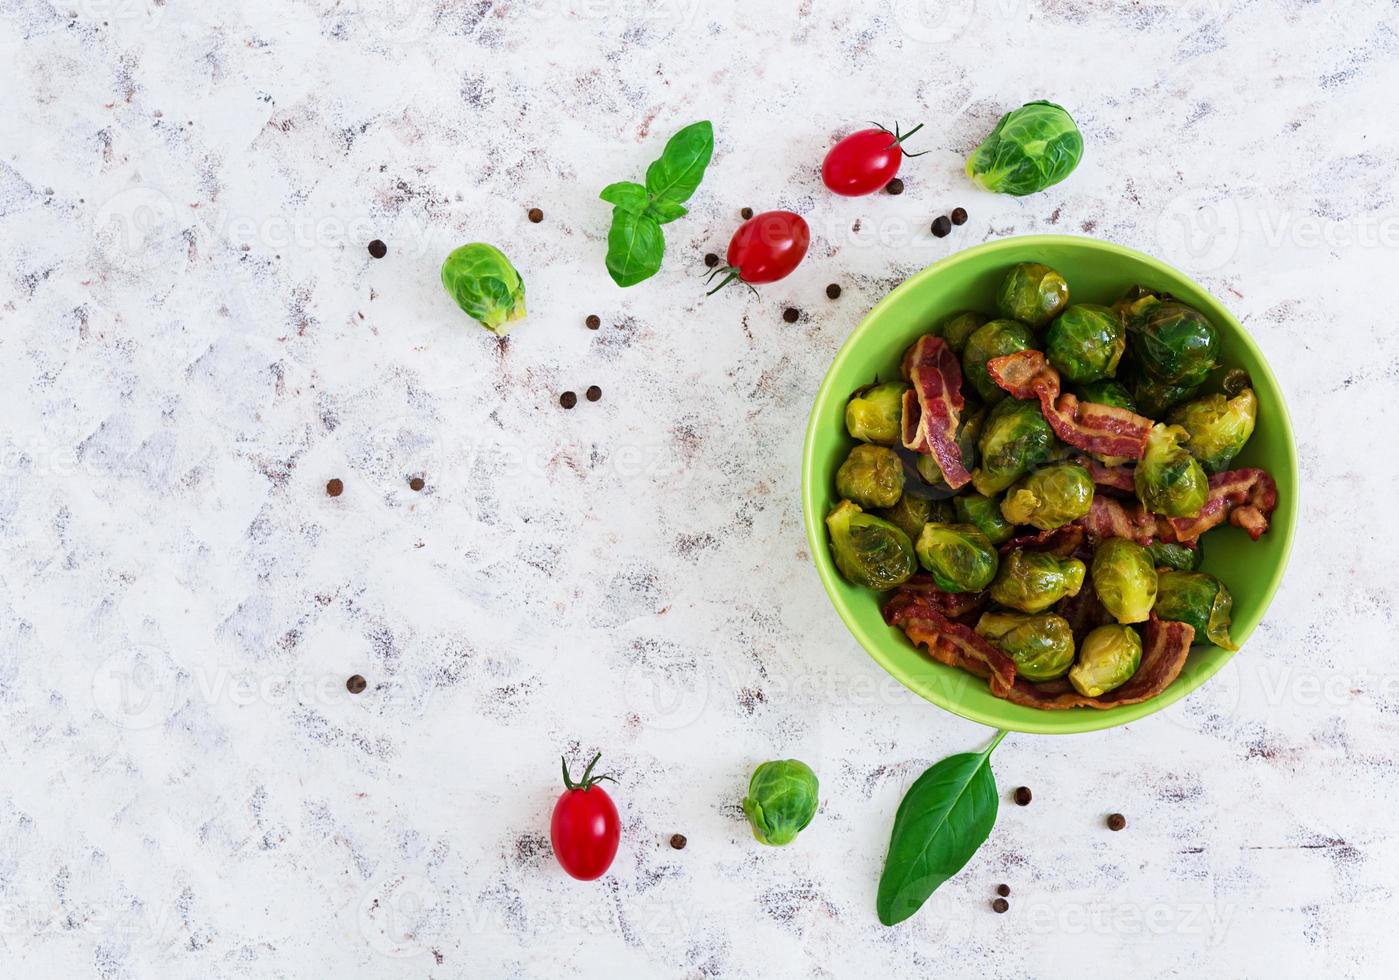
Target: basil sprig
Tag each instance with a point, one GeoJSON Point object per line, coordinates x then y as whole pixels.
{"type": "Point", "coordinates": [947, 814]}
{"type": "Point", "coordinates": [635, 244]}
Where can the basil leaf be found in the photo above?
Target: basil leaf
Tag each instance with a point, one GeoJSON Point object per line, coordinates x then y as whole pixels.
{"type": "Point", "coordinates": [676, 175]}
{"type": "Point", "coordinates": [946, 815]}
{"type": "Point", "coordinates": [666, 211]}
{"type": "Point", "coordinates": [627, 195]}
{"type": "Point", "coordinates": [635, 247]}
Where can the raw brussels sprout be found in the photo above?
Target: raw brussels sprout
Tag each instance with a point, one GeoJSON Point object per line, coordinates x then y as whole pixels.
{"type": "Point", "coordinates": [1124, 576]}
{"type": "Point", "coordinates": [1015, 440]}
{"type": "Point", "coordinates": [1086, 342]}
{"type": "Point", "coordinates": [782, 798]}
{"type": "Point", "coordinates": [969, 428]}
{"type": "Point", "coordinates": [1108, 658]}
{"type": "Point", "coordinates": [908, 515]}
{"type": "Point", "coordinates": [868, 550]}
{"type": "Point", "coordinates": [1042, 646]}
{"type": "Point", "coordinates": [872, 476]}
{"type": "Point", "coordinates": [1218, 427]}
{"type": "Point", "coordinates": [1199, 599]}
{"type": "Point", "coordinates": [486, 286]}
{"type": "Point", "coordinates": [1106, 393]}
{"type": "Point", "coordinates": [1032, 581]}
{"type": "Point", "coordinates": [1033, 294]}
{"type": "Point", "coordinates": [1173, 343]}
{"type": "Point", "coordinates": [1168, 479]}
{"type": "Point", "coordinates": [984, 514]}
{"type": "Point", "coordinates": [958, 556]}
{"type": "Point", "coordinates": [994, 339]}
{"type": "Point", "coordinates": [1031, 148]}
{"type": "Point", "coordinates": [875, 413]}
{"type": "Point", "coordinates": [958, 327]}
{"type": "Point", "coordinates": [1176, 557]}
{"type": "Point", "coordinates": [1049, 497]}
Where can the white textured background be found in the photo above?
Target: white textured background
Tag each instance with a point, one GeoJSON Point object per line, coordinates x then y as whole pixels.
{"type": "Point", "coordinates": [193, 339]}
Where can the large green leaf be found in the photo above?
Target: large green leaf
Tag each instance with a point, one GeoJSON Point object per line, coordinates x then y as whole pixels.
{"type": "Point", "coordinates": [678, 172]}
{"type": "Point", "coordinates": [635, 247]}
{"type": "Point", "coordinates": [627, 195]}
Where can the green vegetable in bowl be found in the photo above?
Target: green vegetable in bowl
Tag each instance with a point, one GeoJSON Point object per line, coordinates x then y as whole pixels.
{"type": "Point", "coordinates": [1218, 427]}
{"type": "Point", "coordinates": [1031, 148]}
{"type": "Point", "coordinates": [1110, 655]}
{"type": "Point", "coordinates": [1173, 343]}
{"type": "Point", "coordinates": [1086, 342]}
{"type": "Point", "coordinates": [1176, 557]}
{"type": "Point", "coordinates": [875, 412]}
{"type": "Point", "coordinates": [984, 514]}
{"type": "Point", "coordinates": [956, 328]}
{"type": "Point", "coordinates": [872, 476]}
{"type": "Point", "coordinates": [909, 514]}
{"type": "Point", "coordinates": [1033, 294]}
{"type": "Point", "coordinates": [1124, 577]}
{"type": "Point", "coordinates": [868, 550]}
{"type": "Point", "coordinates": [1155, 398]}
{"type": "Point", "coordinates": [1042, 645]}
{"type": "Point", "coordinates": [1168, 479]}
{"type": "Point", "coordinates": [1032, 581]}
{"type": "Point", "coordinates": [1015, 440]}
{"type": "Point", "coordinates": [1050, 497]}
{"type": "Point", "coordinates": [994, 339]}
{"type": "Point", "coordinates": [486, 286]}
{"type": "Point", "coordinates": [782, 798]}
{"type": "Point", "coordinates": [1106, 393]}
{"type": "Point", "coordinates": [1199, 599]}
{"type": "Point", "coordinates": [969, 428]}
{"type": "Point", "coordinates": [958, 556]}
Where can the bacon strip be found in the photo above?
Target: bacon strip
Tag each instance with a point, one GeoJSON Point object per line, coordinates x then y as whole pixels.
{"type": "Point", "coordinates": [921, 592]}
{"type": "Point", "coordinates": [1084, 611]}
{"type": "Point", "coordinates": [954, 644]}
{"type": "Point", "coordinates": [933, 406]}
{"type": "Point", "coordinates": [1111, 518]}
{"type": "Point", "coordinates": [1089, 426]}
{"type": "Point", "coordinates": [1062, 541]}
{"type": "Point", "coordinates": [1246, 498]}
{"type": "Point", "coordinates": [1117, 478]}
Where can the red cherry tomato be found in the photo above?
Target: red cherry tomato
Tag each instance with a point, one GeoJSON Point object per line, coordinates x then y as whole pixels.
{"type": "Point", "coordinates": [766, 248]}
{"type": "Point", "coordinates": [585, 828]}
{"type": "Point", "coordinates": [866, 161]}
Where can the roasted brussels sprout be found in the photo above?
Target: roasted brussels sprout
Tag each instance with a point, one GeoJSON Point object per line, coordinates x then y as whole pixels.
{"type": "Point", "coordinates": [1176, 557]}
{"type": "Point", "coordinates": [486, 286]}
{"type": "Point", "coordinates": [1173, 343]}
{"type": "Point", "coordinates": [958, 327]}
{"type": "Point", "coordinates": [1108, 658]}
{"type": "Point", "coordinates": [872, 476]}
{"type": "Point", "coordinates": [1033, 294]}
{"type": "Point", "coordinates": [874, 413]}
{"type": "Point", "coordinates": [1124, 577]}
{"type": "Point", "coordinates": [1155, 398]}
{"type": "Point", "coordinates": [782, 798]}
{"type": "Point", "coordinates": [985, 515]}
{"type": "Point", "coordinates": [1168, 479]}
{"type": "Point", "coordinates": [1235, 380]}
{"type": "Point", "coordinates": [1107, 393]}
{"type": "Point", "coordinates": [969, 428]}
{"type": "Point", "coordinates": [1015, 440]}
{"type": "Point", "coordinates": [1032, 581]}
{"type": "Point", "coordinates": [994, 339]}
{"type": "Point", "coordinates": [1049, 497]}
{"type": "Point", "coordinates": [1218, 427]}
{"type": "Point", "coordinates": [868, 550]}
{"type": "Point", "coordinates": [1031, 148]}
{"type": "Point", "coordinates": [958, 556]}
{"type": "Point", "coordinates": [1086, 342]}
{"type": "Point", "coordinates": [1042, 646]}
{"type": "Point", "coordinates": [908, 515]}
{"type": "Point", "coordinates": [1199, 599]}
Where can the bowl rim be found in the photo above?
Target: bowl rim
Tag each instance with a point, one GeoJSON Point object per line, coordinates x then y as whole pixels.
{"type": "Point", "coordinates": [1079, 721]}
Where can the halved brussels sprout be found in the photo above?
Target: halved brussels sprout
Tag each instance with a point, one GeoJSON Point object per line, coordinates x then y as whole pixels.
{"type": "Point", "coordinates": [1199, 599]}
{"type": "Point", "coordinates": [1177, 557]}
{"type": "Point", "coordinates": [1032, 581]}
{"type": "Point", "coordinates": [1031, 148]}
{"type": "Point", "coordinates": [868, 550]}
{"type": "Point", "coordinates": [1106, 393]}
{"type": "Point", "coordinates": [1015, 440]}
{"type": "Point", "coordinates": [1124, 576]}
{"type": "Point", "coordinates": [969, 428]}
{"type": "Point", "coordinates": [782, 798]}
{"type": "Point", "coordinates": [1175, 344]}
{"type": "Point", "coordinates": [486, 286]}
{"type": "Point", "coordinates": [994, 339]}
{"type": "Point", "coordinates": [1042, 646]}
{"type": "Point", "coordinates": [1033, 294]}
{"type": "Point", "coordinates": [875, 413]}
{"type": "Point", "coordinates": [1086, 342]}
{"type": "Point", "coordinates": [1218, 427]}
{"type": "Point", "coordinates": [985, 515]}
{"type": "Point", "coordinates": [1050, 497]}
{"type": "Point", "coordinates": [958, 556]}
{"type": "Point", "coordinates": [872, 476]}
{"type": "Point", "coordinates": [1168, 479]}
{"type": "Point", "coordinates": [958, 327]}
{"type": "Point", "coordinates": [1108, 658]}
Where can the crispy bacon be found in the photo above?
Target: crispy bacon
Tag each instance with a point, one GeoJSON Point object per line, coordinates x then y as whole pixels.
{"type": "Point", "coordinates": [921, 592]}
{"type": "Point", "coordinates": [1089, 426]}
{"type": "Point", "coordinates": [952, 643]}
{"type": "Point", "coordinates": [1246, 498]}
{"type": "Point", "coordinates": [932, 408]}
{"type": "Point", "coordinates": [1111, 518]}
{"type": "Point", "coordinates": [1116, 478]}
{"type": "Point", "coordinates": [1062, 541]}
{"type": "Point", "coordinates": [1083, 611]}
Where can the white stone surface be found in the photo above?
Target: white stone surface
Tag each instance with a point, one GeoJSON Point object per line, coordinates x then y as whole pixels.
{"type": "Point", "coordinates": [193, 339]}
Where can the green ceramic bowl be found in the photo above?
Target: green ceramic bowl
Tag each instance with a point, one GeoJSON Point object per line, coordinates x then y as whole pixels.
{"type": "Point", "coordinates": [1097, 272]}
